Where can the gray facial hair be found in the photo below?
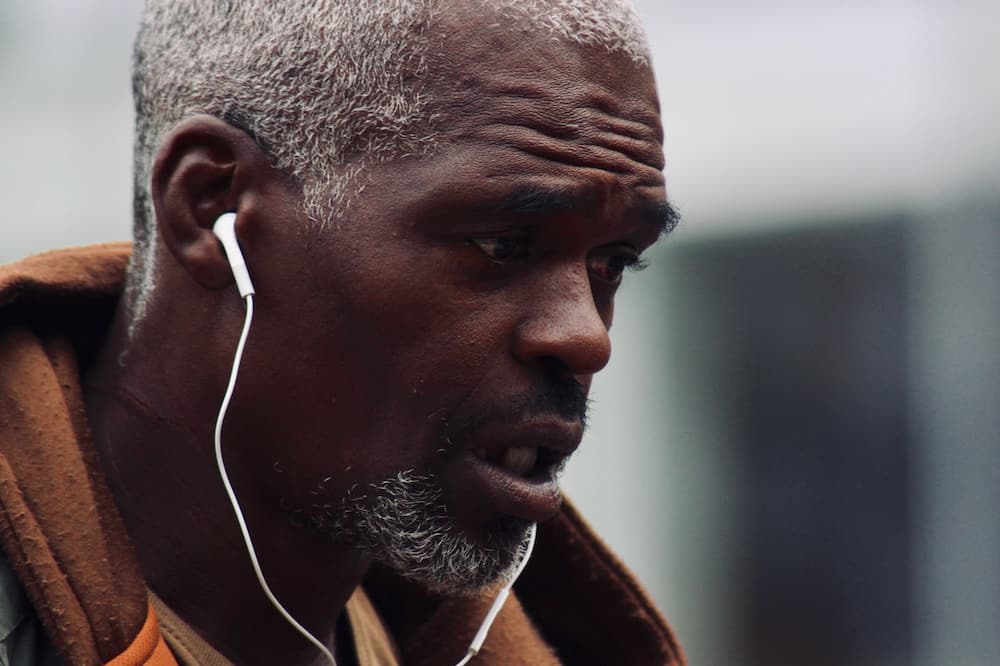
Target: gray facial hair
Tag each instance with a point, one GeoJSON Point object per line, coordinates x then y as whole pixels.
{"type": "Point", "coordinates": [404, 523]}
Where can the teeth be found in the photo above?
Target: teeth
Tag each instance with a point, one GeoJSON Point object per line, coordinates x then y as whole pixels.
{"type": "Point", "coordinates": [520, 459]}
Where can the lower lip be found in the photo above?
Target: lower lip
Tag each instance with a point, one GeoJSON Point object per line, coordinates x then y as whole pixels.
{"type": "Point", "coordinates": [499, 492]}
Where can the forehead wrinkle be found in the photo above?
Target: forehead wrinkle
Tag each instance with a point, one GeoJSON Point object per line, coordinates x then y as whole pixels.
{"type": "Point", "coordinates": [603, 152]}
{"type": "Point", "coordinates": [566, 105]}
{"type": "Point", "coordinates": [580, 115]}
{"type": "Point", "coordinates": [637, 117]}
{"type": "Point", "coordinates": [632, 129]}
{"type": "Point", "coordinates": [638, 150]}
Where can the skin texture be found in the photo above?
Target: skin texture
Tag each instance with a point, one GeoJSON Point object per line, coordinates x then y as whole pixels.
{"type": "Point", "coordinates": [379, 337]}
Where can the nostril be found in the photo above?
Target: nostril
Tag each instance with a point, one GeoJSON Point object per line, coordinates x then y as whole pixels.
{"type": "Point", "coordinates": [563, 393]}
{"type": "Point", "coordinates": [553, 366]}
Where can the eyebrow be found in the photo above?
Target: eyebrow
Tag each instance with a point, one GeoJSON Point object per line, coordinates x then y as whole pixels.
{"type": "Point", "coordinates": [663, 214]}
{"type": "Point", "coordinates": [534, 199]}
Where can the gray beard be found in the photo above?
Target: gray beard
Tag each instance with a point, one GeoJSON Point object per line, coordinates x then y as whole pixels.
{"type": "Point", "coordinates": [404, 523]}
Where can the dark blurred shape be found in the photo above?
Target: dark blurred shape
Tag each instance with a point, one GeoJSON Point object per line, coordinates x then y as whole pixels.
{"type": "Point", "coordinates": [810, 362]}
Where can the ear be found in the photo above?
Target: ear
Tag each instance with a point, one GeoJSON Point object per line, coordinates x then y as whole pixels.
{"type": "Point", "coordinates": [204, 168]}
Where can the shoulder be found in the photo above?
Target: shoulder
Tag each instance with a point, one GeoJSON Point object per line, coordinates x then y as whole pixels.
{"type": "Point", "coordinates": [95, 270]}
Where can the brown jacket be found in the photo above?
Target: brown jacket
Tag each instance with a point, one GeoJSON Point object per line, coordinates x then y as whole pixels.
{"type": "Point", "coordinates": [61, 532]}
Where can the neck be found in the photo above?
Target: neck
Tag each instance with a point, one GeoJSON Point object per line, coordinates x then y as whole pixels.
{"type": "Point", "coordinates": [156, 448]}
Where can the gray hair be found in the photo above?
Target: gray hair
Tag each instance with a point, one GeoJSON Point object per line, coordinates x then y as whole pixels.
{"type": "Point", "coordinates": [325, 87]}
{"type": "Point", "coordinates": [404, 523]}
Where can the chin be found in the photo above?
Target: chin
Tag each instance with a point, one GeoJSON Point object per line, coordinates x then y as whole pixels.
{"type": "Point", "coordinates": [403, 523]}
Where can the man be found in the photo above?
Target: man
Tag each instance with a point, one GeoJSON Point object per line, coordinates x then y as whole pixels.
{"type": "Point", "coordinates": [436, 201]}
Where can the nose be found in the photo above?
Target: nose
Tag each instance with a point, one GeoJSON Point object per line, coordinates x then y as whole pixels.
{"type": "Point", "coordinates": [563, 323]}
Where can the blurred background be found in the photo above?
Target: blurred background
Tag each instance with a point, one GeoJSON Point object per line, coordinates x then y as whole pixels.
{"type": "Point", "coordinates": [797, 445]}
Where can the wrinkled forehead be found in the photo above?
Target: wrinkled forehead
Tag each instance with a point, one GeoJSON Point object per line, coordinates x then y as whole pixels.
{"type": "Point", "coordinates": [483, 65]}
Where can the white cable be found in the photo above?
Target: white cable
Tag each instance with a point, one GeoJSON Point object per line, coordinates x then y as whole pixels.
{"type": "Point", "coordinates": [491, 616]}
{"type": "Point", "coordinates": [232, 495]}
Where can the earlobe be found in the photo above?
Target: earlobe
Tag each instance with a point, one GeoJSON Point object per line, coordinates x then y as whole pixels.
{"type": "Point", "coordinates": [204, 168]}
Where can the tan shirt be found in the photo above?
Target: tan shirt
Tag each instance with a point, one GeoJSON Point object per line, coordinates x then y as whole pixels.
{"type": "Point", "coordinates": [372, 643]}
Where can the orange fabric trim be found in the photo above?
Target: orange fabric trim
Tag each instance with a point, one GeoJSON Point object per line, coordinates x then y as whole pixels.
{"type": "Point", "coordinates": [148, 648]}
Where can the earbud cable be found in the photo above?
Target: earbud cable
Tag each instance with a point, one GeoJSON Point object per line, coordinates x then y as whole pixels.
{"type": "Point", "coordinates": [484, 628]}
{"type": "Point", "coordinates": [480, 637]}
{"type": "Point", "coordinates": [232, 494]}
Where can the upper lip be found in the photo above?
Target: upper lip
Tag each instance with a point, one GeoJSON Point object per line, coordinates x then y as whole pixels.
{"type": "Point", "coordinates": [553, 433]}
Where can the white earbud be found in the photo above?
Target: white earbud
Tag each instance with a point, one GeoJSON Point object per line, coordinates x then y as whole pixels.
{"type": "Point", "coordinates": [225, 230]}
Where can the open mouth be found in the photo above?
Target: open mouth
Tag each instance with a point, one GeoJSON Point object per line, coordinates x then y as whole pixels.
{"type": "Point", "coordinates": [522, 461]}
{"type": "Point", "coordinates": [514, 469]}
{"type": "Point", "coordinates": [511, 478]}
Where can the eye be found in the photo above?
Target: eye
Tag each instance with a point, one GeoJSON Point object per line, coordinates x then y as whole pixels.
{"type": "Point", "coordinates": [609, 268]}
{"type": "Point", "coordinates": [503, 249]}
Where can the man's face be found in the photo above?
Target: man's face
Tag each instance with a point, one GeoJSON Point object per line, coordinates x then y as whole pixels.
{"type": "Point", "coordinates": [425, 361]}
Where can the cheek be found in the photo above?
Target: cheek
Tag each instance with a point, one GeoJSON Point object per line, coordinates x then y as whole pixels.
{"type": "Point", "coordinates": [413, 325]}
{"type": "Point", "coordinates": [426, 343]}
{"type": "Point", "coordinates": [365, 355]}
{"type": "Point", "coordinates": [374, 365]}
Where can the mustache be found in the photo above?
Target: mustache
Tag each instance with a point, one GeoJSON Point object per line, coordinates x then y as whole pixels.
{"type": "Point", "coordinates": [563, 396]}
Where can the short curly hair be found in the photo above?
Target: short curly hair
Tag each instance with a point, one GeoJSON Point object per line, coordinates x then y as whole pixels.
{"type": "Point", "coordinates": [324, 86]}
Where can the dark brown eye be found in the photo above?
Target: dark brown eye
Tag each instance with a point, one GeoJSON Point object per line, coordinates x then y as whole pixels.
{"type": "Point", "coordinates": [610, 267]}
{"type": "Point", "coordinates": [503, 249]}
